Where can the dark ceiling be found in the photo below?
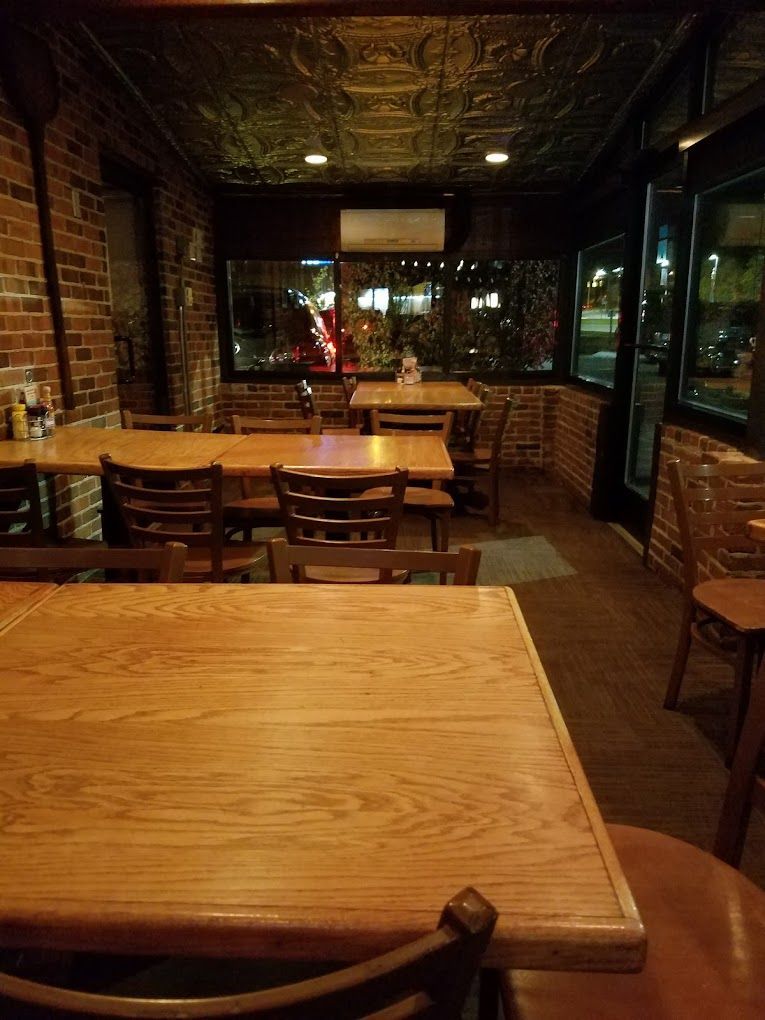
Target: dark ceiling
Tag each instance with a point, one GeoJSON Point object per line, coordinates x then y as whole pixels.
{"type": "Point", "coordinates": [412, 100]}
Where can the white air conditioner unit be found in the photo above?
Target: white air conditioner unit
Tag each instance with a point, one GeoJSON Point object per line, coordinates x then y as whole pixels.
{"type": "Point", "coordinates": [392, 229]}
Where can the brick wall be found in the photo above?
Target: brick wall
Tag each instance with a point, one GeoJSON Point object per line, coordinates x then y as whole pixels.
{"type": "Point", "coordinates": [664, 554]}
{"type": "Point", "coordinates": [574, 440]}
{"type": "Point", "coordinates": [96, 114]}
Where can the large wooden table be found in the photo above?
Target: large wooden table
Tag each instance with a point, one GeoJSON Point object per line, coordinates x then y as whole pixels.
{"type": "Point", "coordinates": [75, 449]}
{"type": "Point", "coordinates": [218, 769]}
{"type": "Point", "coordinates": [19, 597]}
{"type": "Point", "coordinates": [433, 396]}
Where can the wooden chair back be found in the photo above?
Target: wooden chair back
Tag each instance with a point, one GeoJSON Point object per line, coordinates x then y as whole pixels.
{"type": "Point", "coordinates": [349, 388]}
{"type": "Point", "coordinates": [304, 394]}
{"type": "Point", "coordinates": [745, 787]}
{"type": "Point", "coordinates": [713, 504]}
{"type": "Point", "coordinates": [386, 423]}
{"type": "Point", "coordinates": [341, 430]}
{"type": "Point", "coordinates": [426, 978]}
{"type": "Point", "coordinates": [328, 510]}
{"type": "Point", "coordinates": [168, 422]}
{"type": "Point", "coordinates": [163, 564]}
{"type": "Point", "coordinates": [472, 419]}
{"type": "Point", "coordinates": [159, 505]}
{"type": "Point", "coordinates": [499, 432]}
{"type": "Point", "coordinates": [21, 519]}
{"type": "Point", "coordinates": [286, 560]}
{"type": "Point", "coordinates": [243, 426]}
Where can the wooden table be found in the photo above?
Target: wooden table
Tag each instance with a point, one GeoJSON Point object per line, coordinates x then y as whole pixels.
{"type": "Point", "coordinates": [424, 455]}
{"type": "Point", "coordinates": [75, 449]}
{"type": "Point", "coordinates": [18, 598]}
{"type": "Point", "coordinates": [221, 769]}
{"type": "Point", "coordinates": [433, 396]}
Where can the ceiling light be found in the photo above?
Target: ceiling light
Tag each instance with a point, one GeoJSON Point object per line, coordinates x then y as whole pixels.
{"type": "Point", "coordinates": [496, 157]}
{"type": "Point", "coordinates": [316, 158]}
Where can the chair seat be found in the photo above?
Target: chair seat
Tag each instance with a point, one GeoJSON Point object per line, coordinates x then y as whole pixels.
{"type": "Point", "coordinates": [237, 559]}
{"type": "Point", "coordinates": [705, 925]}
{"type": "Point", "coordinates": [740, 602]}
{"type": "Point", "coordinates": [421, 497]}
{"type": "Point", "coordinates": [342, 575]}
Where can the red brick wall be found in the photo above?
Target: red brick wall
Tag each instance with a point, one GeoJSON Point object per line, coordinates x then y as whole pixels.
{"type": "Point", "coordinates": [96, 113]}
{"type": "Point", "coordinates": [574, 440]}
{"type": "Point", "coordinates": [664, 554]}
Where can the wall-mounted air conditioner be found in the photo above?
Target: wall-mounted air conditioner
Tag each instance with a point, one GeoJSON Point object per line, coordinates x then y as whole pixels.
{"type": "Point", "coordinates": [392, 229]}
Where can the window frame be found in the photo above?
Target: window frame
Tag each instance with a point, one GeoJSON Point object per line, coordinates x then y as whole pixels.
{"type": "Point", "coordinates": [572, 374]}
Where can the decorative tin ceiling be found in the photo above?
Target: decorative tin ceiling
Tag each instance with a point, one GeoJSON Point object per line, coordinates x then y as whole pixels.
{"type": "Point", "coordinates": [414, 100]}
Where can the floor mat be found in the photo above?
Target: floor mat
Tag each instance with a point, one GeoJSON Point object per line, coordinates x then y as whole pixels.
{"type": "Point", "coordinates": [515, 560]}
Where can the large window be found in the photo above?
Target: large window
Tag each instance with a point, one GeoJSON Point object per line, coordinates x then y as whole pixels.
{"type": "Point", "coordinates": [452, 314]}
{"type": "Point", "coordinates": [725, 307]}
{"type": "Point", "coordinates": [599, 292]}
{"type": "Point", "coordinates": [282, 315]}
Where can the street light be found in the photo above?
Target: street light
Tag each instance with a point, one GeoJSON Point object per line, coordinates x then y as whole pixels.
{"type": "Point", "coordinates": [715, 260]}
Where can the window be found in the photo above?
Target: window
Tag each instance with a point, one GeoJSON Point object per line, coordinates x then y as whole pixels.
{"type": "Point", "coordinates": [741, 56]}
{"type": "Point", "coordinates": [393, 308]}
{"type": "Point", "coordinates": [726, 296]}
{"type": "Point", "coordinates": [599, 292]}
{"type": "Point", "coordinates": [452, 313]}
{"type": "Point", "coordinates": [282, 315]}
{"type": "Point", "coordinates": [504, 315]}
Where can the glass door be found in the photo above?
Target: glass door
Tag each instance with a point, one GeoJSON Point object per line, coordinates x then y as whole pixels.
{"type": "Point", "coordinates": [654, 330]}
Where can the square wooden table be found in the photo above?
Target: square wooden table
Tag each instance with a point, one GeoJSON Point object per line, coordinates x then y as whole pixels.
{"type": "Point", "coordinates": [274, 770]}
{"type": "Point", "coordinates": [433, 396]}
{"type": "Point", "coordinates": [425, 456]}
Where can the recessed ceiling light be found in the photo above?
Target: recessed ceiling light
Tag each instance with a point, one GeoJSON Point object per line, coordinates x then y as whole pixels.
{"type": "Point", "coordinates": [316, 158]}
{"type": "Point", "coordinates": [496, 157]}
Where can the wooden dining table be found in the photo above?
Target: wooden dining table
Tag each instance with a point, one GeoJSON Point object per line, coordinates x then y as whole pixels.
{"type": "Point", "coordinates": [19, 597]}
{"type": "Point", "coordinates": [423, 396]}
{"type": "Point", "coordinates": [75, 449]}
{"type": "Point", "coordinates": [295, 772]}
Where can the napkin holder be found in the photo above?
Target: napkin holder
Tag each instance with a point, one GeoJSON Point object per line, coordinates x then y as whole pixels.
{"type": "Point", "coordinates": [412, 374]}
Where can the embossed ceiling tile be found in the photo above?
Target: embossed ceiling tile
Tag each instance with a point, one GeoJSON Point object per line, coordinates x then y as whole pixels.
{"type": "Point", "coordinates": [390, 99]}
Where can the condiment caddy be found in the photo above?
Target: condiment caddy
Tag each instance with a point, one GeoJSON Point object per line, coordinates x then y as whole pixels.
{"type": "Point", "coordinates": [33, 417]}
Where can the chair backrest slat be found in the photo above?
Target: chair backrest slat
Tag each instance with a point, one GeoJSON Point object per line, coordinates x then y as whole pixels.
{"type": "Point", "coordinates": [165, 563]}
{"type": "Point", "coordinates": [242, 425]}
{"type": "Point", "coordinates": [283, 557]}
{"type": "Point", "coordinates": [499, 431]}
{"type": "Point", "coordinates": [168, 422]}
{"type": "Point", "coordinates": [21, 518]}
{"type": "Point", "coordinates": [429, 977]}
{"type": "Point", "coordinates": [183, 505]}
{"type": "Point", "coordinates": [388, 423]}
{"type": "Point", "coordinates": [339, 504]}
{"type": "Point", "coordinates": [713, 504]}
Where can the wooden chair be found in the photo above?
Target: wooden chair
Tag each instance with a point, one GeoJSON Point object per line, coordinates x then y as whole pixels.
{"type": "Point", "coordinates": [304, 394]}
{"type": "Point", "coordinates": [166, 505]}
{"type": "Point", "coordinates": [485, 461]}
{"type": "Point", "coordinates": [341, 430]}
{"type": "Point", "coordinates": [434, 504]}
{"type": "Point", "coordinates": [429, 977]}
{"type": "Point", "coordinates": [163, 564]}
{"type": "Point", "coordinates": [332, 510]}
{"type": "Point", "coordinates": [466, 423]}
{"type": "Point", "coordinates": [704, 921]}
{"type": "Point", "coordinates": [168, 422]}
{"type": "Point", "coordinates": [255, 510]}
{"type": "Point", "coordinates": [287, 562]}
{"type": "Point", "coordinates": [349, 388]}
{"type": "Point", "coordinates": [21, 517]}
{"type": "Point", "coordinates": [726, 614]}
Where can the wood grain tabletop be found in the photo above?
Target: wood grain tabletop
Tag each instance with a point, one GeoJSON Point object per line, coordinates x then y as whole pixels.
{"type": "Point", "coordinates": [424, 455]}
{"type": "Point", "coordinates": [17, 598]}
{"type": "Point", "coordinates": [75, 450]}
{"type": "Point", "coordinates": [225, 769]}
{"type": "Point", "coordinates": [427, 396]}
